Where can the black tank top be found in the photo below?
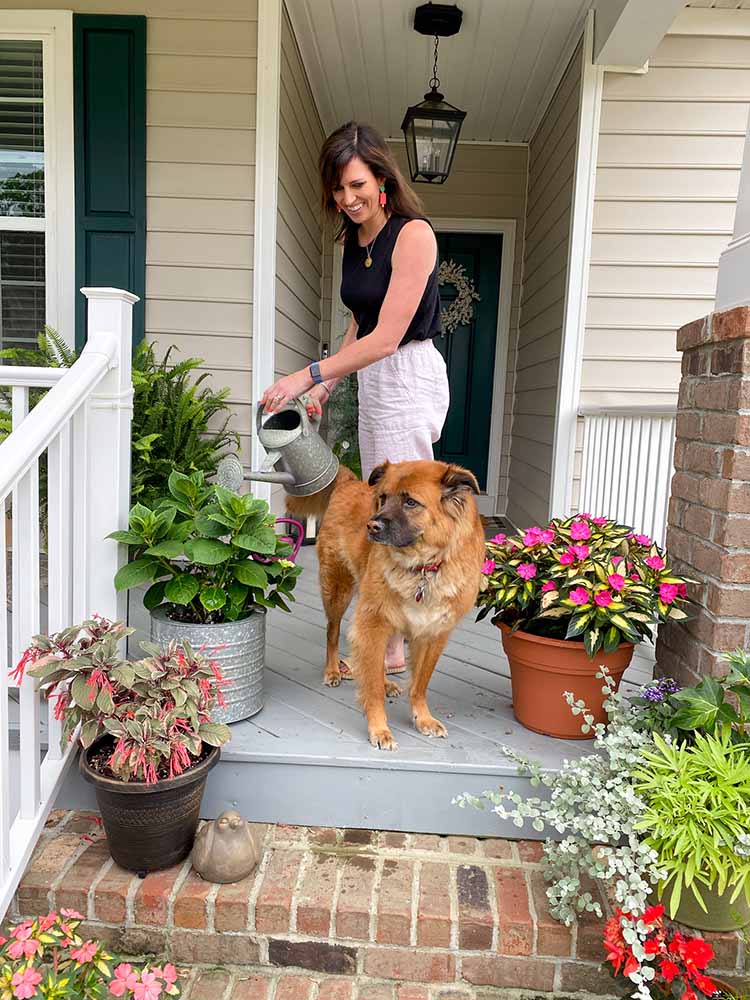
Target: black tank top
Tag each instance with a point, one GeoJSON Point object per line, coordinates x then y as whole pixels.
{"type": "Point", "coordinates": [363, 289]}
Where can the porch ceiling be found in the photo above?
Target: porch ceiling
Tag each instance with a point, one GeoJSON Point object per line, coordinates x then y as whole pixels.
{"type": "Point", "coordinates": [364, 60]}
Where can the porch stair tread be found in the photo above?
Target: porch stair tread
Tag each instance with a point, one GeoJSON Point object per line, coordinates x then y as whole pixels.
{"type": "Point", "coordinates": [308, 748]}
{"type": "Point", "coordinates": [379, 910]}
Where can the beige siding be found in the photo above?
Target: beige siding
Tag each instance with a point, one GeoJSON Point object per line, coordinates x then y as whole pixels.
{"type": "Point", "coordinates": [200, 150]}
{"type": "Point", "coordinates": [486, 182]}
{"type": "Point", "coordinates": [545, 258]}
{"type": "Point", "coordinates": [670, 149]}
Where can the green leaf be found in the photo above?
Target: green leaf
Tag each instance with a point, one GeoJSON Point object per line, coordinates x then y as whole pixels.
{"type": "Point", "coordinates": [124, 675]}
{"type": "Point", "coordinates": [237, 592]}
{"type": "Point", "coordinates": [154, 595]}
{"type": "Point", "coordinates": [207, 551]}
{"type": "Point", "coordinates": [182, 589]}
{"type": "Point", "coordinates": [214, 733]}
{"type": "Point", "coordinates": [208, 527]}
{"type": "Point", "coordinates": [138, 516]}
{"type": "Point", "coordinates": [133, 573]}
{"type": "Point", "coordinates": [169, 550]}
{"type": "Point", "coordinates": [104, 702]}
{"type": "Point", "coordinates": [127, 537]}
{"type": "Point", "coordinates": [181, 487]}
{"type": "Point", "coordinates": [250, 573]}
{"type": "Point", "coordinates": [261, 540]}
{"type": "Point", "coordinates": [213, 598]}
{"type": "Point", "coordinates": [89, 732]}
{"type": "Point", "coordinates": [81, 692]}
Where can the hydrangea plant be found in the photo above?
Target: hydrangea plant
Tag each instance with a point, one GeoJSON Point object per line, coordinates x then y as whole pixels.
{"type": "Point", "coordinates": [584, 578]}
{"type": "Point", "coordinates": [593, 804]}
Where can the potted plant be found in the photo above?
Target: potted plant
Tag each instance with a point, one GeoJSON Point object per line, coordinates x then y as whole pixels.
{"type": "Point", "coordinates": [696, 817]}
{"type": "Point", "coordinates": [148, 740]}
{"type": "Point", "coordinates": [48, 958]}
{"type": "Point", "coordinates": [569, 598]}
{"type": "Point", "coordinates": [652, 961]}
{"type": "Point", "coordinates": [215, 565]}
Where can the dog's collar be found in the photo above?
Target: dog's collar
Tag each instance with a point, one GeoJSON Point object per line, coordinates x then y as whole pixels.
{"type": "Point", "coordinates": [422, 585]}
{"type": "Point", "coordinates": [428, 568]}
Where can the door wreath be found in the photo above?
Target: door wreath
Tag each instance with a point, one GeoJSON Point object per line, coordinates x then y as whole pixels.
{"type": "Point", "coordinates": [460, 311]}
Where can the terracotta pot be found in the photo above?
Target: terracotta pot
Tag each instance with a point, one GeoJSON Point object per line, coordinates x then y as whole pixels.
{"type": "Point", "coordinates": [149, 826]}
{"type": "Point", "coordinates": [542, 670]}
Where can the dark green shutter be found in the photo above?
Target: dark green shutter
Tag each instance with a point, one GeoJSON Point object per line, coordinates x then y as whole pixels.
{"type": "Point", "coordinates": [110, 158]}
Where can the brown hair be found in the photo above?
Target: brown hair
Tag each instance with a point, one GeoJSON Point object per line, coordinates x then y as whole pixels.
{"type": "Point", "coordinates": [341, 146]}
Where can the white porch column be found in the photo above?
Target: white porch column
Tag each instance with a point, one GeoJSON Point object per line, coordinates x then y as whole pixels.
{"type": "Point", "coordinates": [733, 283]}
{"type": "Point", "coordinates": [101, 449]}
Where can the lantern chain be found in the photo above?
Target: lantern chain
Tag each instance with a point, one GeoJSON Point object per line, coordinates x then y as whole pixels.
{"type": "Point", "coordinates": [435, 81]}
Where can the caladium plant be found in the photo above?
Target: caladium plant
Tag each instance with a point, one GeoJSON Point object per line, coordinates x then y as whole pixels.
{"type": "Point", "coordinates": [212, 554]}
{"type": "Point", "coordinates": [156, 711]}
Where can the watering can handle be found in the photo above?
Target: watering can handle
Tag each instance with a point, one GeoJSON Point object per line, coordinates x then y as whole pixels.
{"type": "Point", "coordinates": [301, 409]}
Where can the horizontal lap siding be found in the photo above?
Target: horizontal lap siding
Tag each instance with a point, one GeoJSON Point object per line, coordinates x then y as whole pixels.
{"type": "Point", "coordinates": [545, 259]}
{"type": "Point", "coordinates": [486, 182]}
{"type": "Point", "coordinates": [670, 152]}
{"type": "Point", "coordinates": [299, 240]}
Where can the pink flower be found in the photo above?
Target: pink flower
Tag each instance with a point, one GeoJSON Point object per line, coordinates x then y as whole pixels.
{"type": "Point", "coordinates": [27, 948]}
{"type": "Point", "coordinates": [655, 562]}
{"type": "Point", "coordinates": [616, 581]}
{"type": "Point", "coordinates": [22, 931]}
{"type": "Point", "coordinates": [634, 576]}
{"type": "Point", "coordinates": [579, 595]}
{"type": "Point", "coordinates": [616, 560]}
{"type": "Point", "coordinates": [548, 536]}
{"type": "Point", "coordinates": [532, 536]}
{"type": "Point", "coordinates": [85, 953]}
{"type": "Point", "coordinates": [587, 516]}
{"type": "Point", "coordinates": [46, 922]}
{"type": "Point", "coordinates": [25, 983]}
{"type": "Point", "coordinates": [498, 539]}
{"type": "Point", "coordinates": [580, 531]}
{"type": "Point", "coordinates": [682, 591]}
{"type": "Point", "coordinates": [72, 914]}
{"type": "Point", "coordinates": [599, 521]}
{"type": "Point", "coordinates": [527, 571]}
{"type": "Point", "coordinates": [125, 979]}
{"type": "Point", "coordinates": [148, 988]}
{"type": "Point", "coordinates": [549, 585]}
{"type": "Point", "coordinates": [580, 551]}
{"type": "Point", "coordinates": [603, 598]}
{"type": "Point", "coordinates": [168, 974]}
{"type": "Point", "coordinates": [668, 592]}
{"type": "Point", "coordinates": [567, 558]}
{"type": "Point", "coordinates": [643, 540]}
{"type": "Point", "coordinates": [488, 566]}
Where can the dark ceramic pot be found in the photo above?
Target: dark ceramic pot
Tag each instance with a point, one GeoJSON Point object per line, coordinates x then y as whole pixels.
{"type": "Point", "coordinates": [149, 826]}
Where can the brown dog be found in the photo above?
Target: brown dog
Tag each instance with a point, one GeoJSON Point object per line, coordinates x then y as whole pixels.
{"type": "Point", "coordinates": [411, 539]}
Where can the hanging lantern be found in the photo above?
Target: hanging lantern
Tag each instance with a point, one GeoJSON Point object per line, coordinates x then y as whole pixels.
{"type": "Point", "coordinates": [431, 128]}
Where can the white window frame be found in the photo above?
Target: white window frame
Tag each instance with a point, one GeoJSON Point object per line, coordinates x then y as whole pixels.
{"type": "Point", "coordinates": [55, 30]}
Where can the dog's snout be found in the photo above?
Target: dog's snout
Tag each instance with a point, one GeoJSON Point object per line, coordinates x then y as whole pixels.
{"type": "Point", "coordinates": [375, 526]}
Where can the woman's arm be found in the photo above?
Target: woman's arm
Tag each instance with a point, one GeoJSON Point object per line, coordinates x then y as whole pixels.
{"type": "Point", "coordinates": [412, 263]}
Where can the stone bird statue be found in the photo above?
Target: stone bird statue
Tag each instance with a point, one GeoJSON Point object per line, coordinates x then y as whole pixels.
{"type": "Point", "coordinates": [226, 849]}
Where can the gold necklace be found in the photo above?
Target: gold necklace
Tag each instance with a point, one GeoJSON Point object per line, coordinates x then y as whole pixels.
{"type": "Point", "coordinates": [369, 246]}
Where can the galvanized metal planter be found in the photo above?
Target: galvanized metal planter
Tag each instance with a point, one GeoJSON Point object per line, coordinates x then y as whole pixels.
{"type": "Point", "coordinates": [241, 659]}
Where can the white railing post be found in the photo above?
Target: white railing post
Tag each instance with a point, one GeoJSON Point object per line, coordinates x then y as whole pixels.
{"type": "Point", "coordinates": [101, 444]}
{"type": "Point", "coordinates": [733, 280]}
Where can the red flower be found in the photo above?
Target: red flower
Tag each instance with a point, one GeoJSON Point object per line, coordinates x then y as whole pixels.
{"type": "Point", "coordinates": [652, 946]}
{"type": "Point", "coordinates": [705, 984]}
{"type": "Point", "coordinates": [698, 953]}
{"type": "Point", "coordinates": [653, 913]}
{"type": "Point", "coordinates": [632, 965]}
{"type": "Point", "coordinates": [669, 970]}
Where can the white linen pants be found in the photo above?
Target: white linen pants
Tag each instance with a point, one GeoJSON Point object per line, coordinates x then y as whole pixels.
{"type": "Point", "coordinates": [403, 402]}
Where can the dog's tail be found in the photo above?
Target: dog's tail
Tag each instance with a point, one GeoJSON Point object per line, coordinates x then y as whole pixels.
{"type": "Point", "coordinates": [317, 504]}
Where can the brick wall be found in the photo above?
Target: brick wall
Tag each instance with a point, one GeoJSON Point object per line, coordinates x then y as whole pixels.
{"type": "Point", "coordinates": [709, 514]}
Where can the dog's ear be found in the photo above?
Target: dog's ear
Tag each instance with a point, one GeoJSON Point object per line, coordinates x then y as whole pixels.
{"type": "Point", "coordinates": [457, 481]}
{"type": "Point", "coordinates": [377, 473]}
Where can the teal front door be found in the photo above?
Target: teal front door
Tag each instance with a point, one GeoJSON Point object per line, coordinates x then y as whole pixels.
{"type": "Point", "coordinates": [469, 352]}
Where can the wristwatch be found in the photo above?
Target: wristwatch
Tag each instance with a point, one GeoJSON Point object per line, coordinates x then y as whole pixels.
{"type": "Point", "coordinates": [315, 375]}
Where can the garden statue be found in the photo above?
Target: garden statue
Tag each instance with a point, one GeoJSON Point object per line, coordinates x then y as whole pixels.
{"type": "Point", "coordinates": [226, 849]}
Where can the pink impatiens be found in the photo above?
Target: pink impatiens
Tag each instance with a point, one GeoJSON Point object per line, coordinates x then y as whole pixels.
{"type": "Point", "coordinates": [125, 980]}
{"type": "Point", "coordinates": [548, 586]}
{"type": "Point", "coordinates": [527, 571]}
{"type": "Point", "coordinates": [579, 595]}
{"type": "Point", "coordinates": [488, 566]}
{"type": "Point", "coordinates": [668, 592]}
{"type": "Point", "coordinates": [616, 581]}
{"type": "Point", "coordinates": [580, 531]}
{"type": "Point", "coordinates": [24, 983]}
{"type": "Point", "coordinates": [655, 563]}
{"type": "Point", "coordinates": [603, 598]}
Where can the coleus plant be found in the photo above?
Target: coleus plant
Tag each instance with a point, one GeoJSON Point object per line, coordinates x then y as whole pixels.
{"type": "Point", "coordinates": [211, 553]}
{"type": "Point", "coordinates": [156, 711]}
{"type": "Point", "coordinates": [581, 578]}
{"type": "Point", "coordinates": [48, 958]}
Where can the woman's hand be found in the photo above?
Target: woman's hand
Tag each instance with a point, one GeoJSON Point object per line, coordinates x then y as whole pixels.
{"type": "Point", "coordinates": [315, 399]}
{"type": "Point", "coordinates": [285, 389]}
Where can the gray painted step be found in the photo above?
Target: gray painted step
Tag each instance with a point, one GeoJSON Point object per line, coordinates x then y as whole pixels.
{"type": "Point", "coordinates": [305, 757]}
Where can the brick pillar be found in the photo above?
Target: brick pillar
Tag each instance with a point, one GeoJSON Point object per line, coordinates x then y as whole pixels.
{"type": "Point", "coordinates": [708, 537]}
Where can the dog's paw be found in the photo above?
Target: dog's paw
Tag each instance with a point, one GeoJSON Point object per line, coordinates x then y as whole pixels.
{"type": "Point", "coordinates": [427, 725]}
{"type": "Point", "coordinates": [392, 690]}
{"type": "Point", "coordinates": [332, 678]}
{"type": "Point", "coordinates": [382, 739]}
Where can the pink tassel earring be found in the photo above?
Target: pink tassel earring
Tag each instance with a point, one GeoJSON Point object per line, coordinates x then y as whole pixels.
{"type": "Point", "coordinates": [381, 196]}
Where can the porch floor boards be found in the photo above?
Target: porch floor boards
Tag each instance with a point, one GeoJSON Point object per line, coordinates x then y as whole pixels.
{"type": "Point", "coordinates": [305, 757]}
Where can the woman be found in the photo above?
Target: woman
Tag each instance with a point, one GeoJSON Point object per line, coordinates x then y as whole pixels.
{"type": "Point", "coordinates": [390, 284]}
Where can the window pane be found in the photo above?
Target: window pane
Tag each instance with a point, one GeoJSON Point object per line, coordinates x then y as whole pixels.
{"type": "Point", "coordinates": [22, 303]}
{"type": "Point", "coordinates": [21, 128]}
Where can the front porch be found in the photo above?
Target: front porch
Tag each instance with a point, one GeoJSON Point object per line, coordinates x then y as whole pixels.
{"type": "Point", "coordinates": [305, 758]}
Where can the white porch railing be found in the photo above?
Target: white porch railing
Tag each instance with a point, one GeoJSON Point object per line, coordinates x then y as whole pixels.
{"type": "Point", "coordinates": [627, 466]}
{"type": "Point", "coordinates": [83, 425]}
